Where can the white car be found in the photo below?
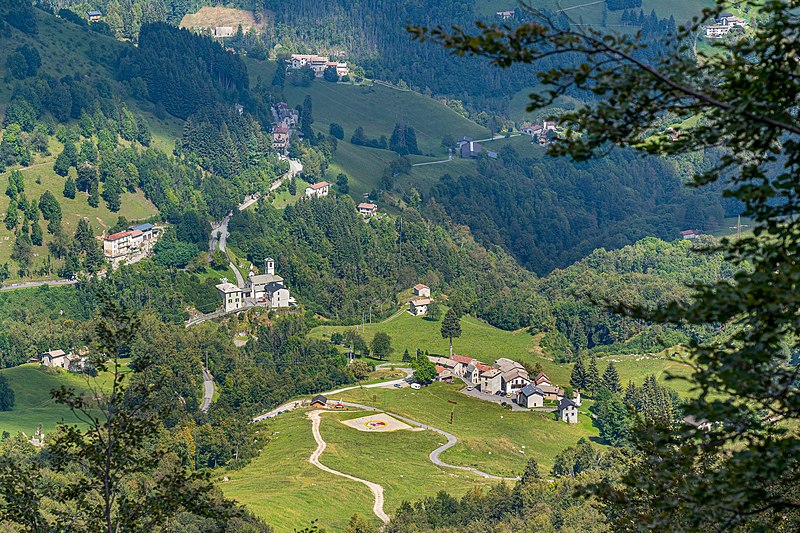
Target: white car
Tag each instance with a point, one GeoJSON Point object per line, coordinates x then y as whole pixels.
{"type": "Point", "coordinates": [416, 386]}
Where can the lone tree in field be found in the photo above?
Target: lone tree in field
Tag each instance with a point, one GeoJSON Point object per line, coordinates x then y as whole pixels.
{"type": "Point", "coordinates": [578, 376]}
{"type": "Point", "coordinates": [742, 473]}
{"type": "Point", "coordinates": [451, 327]}
{"type": "Point", "coordinates": [381, 345]}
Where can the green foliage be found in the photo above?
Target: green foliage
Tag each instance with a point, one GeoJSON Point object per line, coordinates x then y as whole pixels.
{"type": "Point", "coordinates": [611, 379]}
{"type": "Point", "coordinates": [424, 369]}
{"type": "Point", "coordinates": [451, 327]}
{"type": "Point", "coordinates": [172, 253]}
{"type": "Point", "coordinates": [381, 345]}
{"type": "Point", "coordinates": [337, 130]}
{"type": "Point", "coordinates": [70, 190]}
{"type": "Point", "coordinates": [330, 75]}
{"type": "Point", "coordinates": [6, 395]}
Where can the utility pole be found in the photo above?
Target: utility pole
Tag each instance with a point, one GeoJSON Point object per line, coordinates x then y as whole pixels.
{"type": "Point", "coordinates": [738, 227]}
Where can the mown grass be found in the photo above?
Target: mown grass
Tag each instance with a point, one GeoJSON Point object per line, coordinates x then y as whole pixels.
{"type": "Point", "coordinates": [491, 438]}
{"type": "Point", "coordinates": [34, 406]}
{"type": "Point", "coordinates": [487, 343]}
{"type": "Point", "coordinates": [281, 486]}
{"type": "Point", "coordinates": [40, 177]}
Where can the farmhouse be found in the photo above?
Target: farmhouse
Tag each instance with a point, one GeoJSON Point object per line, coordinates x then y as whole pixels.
{"type": "Point", "coordinates": [688, 234]}
{"type": "Point", "coordinates": [715, 31]}
{"type": "Point", "coordinates": [419, 306]}
{"type": "Point", "coordinates": [318, 190]}
{"type": "Point", "coordinates": [60, 359]}
{"type": "Point", "coordinates": [220, 32]}
{"type": "Point", "coordinates": [470, 150]}
{"type": "Point", "coordinates": [318, 64]}
{"type": "Point", "coordinates": [542, 379]}
{"type": "Point", "coordinates": [94, 15]}
{"type": "Point", "coordinates": [443, 374]}
{"type": "Point", "coordinates": [422, 290]}
{"type": "Point", "coordinates": [280, 136]}
{"type": "Point", "coordinates": [232, 296]}
{"type": "Point", "coordinates": [463, 362]}
{"type": "Point", "coordinates": [568, 411]}
{"type": "Point", "coordinates": [505, 15]}
{"type": "Point", "coordinates": [530, 396]}
{"type": "Point", "coordinates": [367, 210]}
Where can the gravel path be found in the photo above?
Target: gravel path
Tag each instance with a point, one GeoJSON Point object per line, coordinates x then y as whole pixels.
{"type": "Point", "coordinates": [377, 490]}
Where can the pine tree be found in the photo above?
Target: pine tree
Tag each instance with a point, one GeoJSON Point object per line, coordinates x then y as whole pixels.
{"type": "Point", "coordinates": [94, 195]}
{"type": "Point", "coordinates": [36, 234]}
{"type": "Point", "coordinates": [578, 377]}
{"type": "Point", "coordinates": [592, 376]}
{"type": "Point", "coordinates": [611, 379]}
{"type": "Point", "coordinates": [69, 188]}
{"type": "Point", "coordinates": [451, 327]}
{"type": "Point", "coordinates": [112, 193]}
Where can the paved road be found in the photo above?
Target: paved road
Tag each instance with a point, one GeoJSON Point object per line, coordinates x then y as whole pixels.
{"type": "Point", "coordinates": [377, 490]}
{"type": "Point", "coordinates": [208, 390]}
{"type": "Point", "coordinates": [220, 228]}
{"type": "Point", "coordinates": [239, 278]}
{"type": "Point", "coordinates": [290, 406]}
{"type": "Point", "coordinates": [29, 284]}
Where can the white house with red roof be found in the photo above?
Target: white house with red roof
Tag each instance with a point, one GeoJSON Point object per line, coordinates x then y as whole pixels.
{"type": "Point", "coordinates": [422, 290]}
{"type": "Point", "coordinates": [318, 190]}
{"type": "Point", "coordinates": [367, 209]}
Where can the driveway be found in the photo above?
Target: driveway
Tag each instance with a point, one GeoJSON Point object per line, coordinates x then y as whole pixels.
{"type": "Point", "coordinates": [475, 393]}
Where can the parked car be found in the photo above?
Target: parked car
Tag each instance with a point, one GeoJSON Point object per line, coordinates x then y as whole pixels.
{"type": "Point", "coordinates": [397, 385]}
{"type": "Point", "coordinates": [416, 386]}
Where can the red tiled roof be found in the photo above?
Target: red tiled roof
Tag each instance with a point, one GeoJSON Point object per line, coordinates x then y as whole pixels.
{"type": "Point", "coordinates": [439, 369]}
{"type": "Point", "coordinates": [320, 185]}
{"type": "Point", "coordinates": [420, 286]}
{"type": "Point", "coordinates": [280, 129]}
{"type": "Point", "coordinates": [462, 359]}
{"type": "Point", "coordinates": [118, 235]}
{"type": "Point", "coordinates": [135, 233]}
{"type": "Point", "coordinates": [482, 367]}
{"type": "Point", "coordinates": [365, 205]}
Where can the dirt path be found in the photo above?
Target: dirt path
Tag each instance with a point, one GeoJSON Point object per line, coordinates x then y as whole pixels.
{"type": "Point", "coordinates": [377, 490]}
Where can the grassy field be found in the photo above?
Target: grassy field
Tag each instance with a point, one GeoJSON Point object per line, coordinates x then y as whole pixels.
{"type": "Point", "coordinates": [281, 486]}
{"type": "Point", "coordinates": [287, 491]}
{"type": "Point", "coordinates": [32, 384]}
{"type": "Point", "coordinates": [487, 343]}
{"type": "Point", "coordinates": [40, 177]}
{"type": "Point", "coordinates": [491, 438]}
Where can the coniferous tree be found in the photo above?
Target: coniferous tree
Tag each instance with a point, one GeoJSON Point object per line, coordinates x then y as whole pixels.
{"type": "Point", "coordinates": [70, 190]}
{"type": "Point", "coordinates": [94, 195]}
{"type": "Point", "coordinates": [36, 233]}
{"type": "Point", "coordinates": [577, 378]}
{"type": "Point", "coordinates": [451, 327]}
{"type": "Point", "coordinates": [611, 379]}
{"type": "Point", "coordinates": [592, 376]}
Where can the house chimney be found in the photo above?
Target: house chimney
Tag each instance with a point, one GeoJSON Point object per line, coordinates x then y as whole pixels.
{"type": "Point", "coordinates": [269, 265]}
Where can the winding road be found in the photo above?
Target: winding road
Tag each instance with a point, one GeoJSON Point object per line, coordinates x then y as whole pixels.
{"type": "Point", "coordinates": [208, 391]}
{"type": "Point", "coordinates": [377, 490]}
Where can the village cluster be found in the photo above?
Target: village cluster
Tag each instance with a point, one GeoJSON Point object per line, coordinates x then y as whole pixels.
{"type": "Point", "coordinates": [509, 379]}
{"type": "Point", "coordinates": [725, 23]}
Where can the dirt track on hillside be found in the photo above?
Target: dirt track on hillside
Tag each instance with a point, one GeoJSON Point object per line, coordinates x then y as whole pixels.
{"type": "Point", "coordinates": [377, 490]}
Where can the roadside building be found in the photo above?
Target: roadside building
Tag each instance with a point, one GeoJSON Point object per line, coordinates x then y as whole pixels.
{"type": "Point", "coordinates": [471, 150]}
{"type": "Point", "coordinates": [232, 296]}
{"type": "Point", "coordinates": [530, 396]}
{"type": "Point", "coordinates": [319, 401]}
{"type": "Point", "coordinates": [280, 136]}
{"type": "Point", "coordinates": [491, 381]}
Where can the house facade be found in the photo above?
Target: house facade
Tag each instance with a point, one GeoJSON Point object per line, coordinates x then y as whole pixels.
{"type": "Point", "coordinates": [530, 396]}
{"type": "Point", "coordinates": [367, 210]}
{"type": "Point", "coordinates": [419, 306]}
{"type": "Point", "coordinates": [71, 362]}
{"type": "Point", "coordinates": [232, 296]}
{"type": "Point", "coordinates": [318, 190]}
{"type": "Point", "coordinates": [470, 150]}
{"type": "Point", "coordinates": [94, 15]}
{"type": "Point", "coordinates": [221, 32]}
{"type": "Point", "coordinates": [280, 137]}
{"type": "Point", "coordinates": [268, 288]}
{"type": "Point", "coordinates": [318, 64]}
{"type": "Point", "coordinates": [123, 244]}
{"type": "Point", "coordinates": [491, 381]}
{"type": "Point", "coordinates": [567, 411]}
{"type": "Point", "coordinates": [422, 291]}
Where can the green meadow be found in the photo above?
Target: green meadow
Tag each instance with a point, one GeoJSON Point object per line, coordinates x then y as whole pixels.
{"type": "Point", "coordinates": [34, 406]}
